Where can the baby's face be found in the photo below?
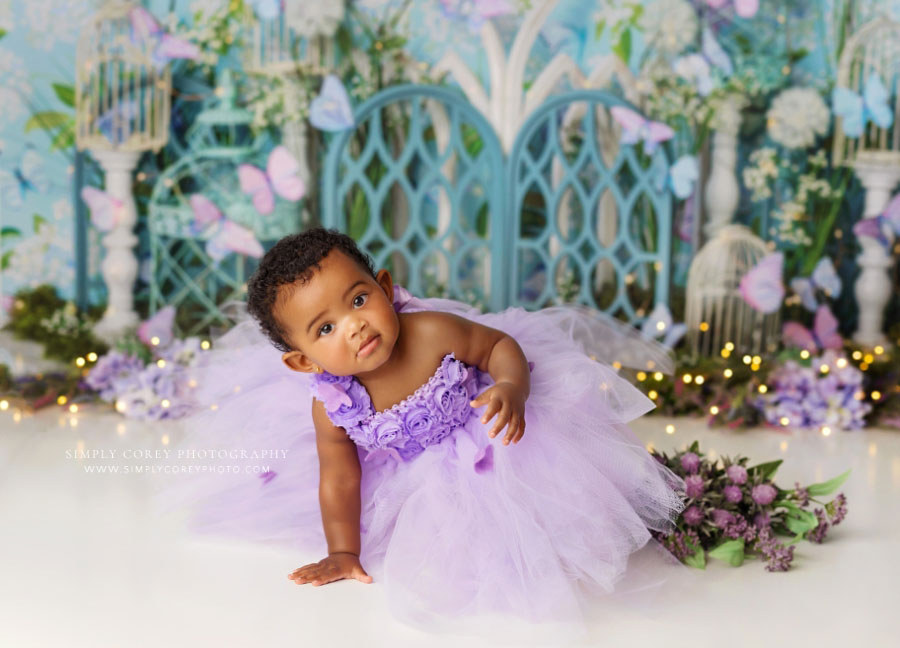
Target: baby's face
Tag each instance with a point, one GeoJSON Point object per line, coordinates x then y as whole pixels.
{"type": "Point", "coordinates": [342, 320]}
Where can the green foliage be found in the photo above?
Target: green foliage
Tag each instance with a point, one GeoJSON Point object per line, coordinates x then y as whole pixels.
{"type": "Point", "coordinates": [43, 316]}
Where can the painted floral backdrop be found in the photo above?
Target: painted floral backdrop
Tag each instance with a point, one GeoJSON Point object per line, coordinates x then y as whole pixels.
{"type": "Point", "coordinates": [787, 45]}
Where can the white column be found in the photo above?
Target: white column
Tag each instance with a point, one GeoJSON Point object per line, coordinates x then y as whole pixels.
{"type": "Point", "coordinates": [879, 174]}
{"type": "Point", "coordinates": [722, 189]}
{"type": "Point", "coordinates": [120, 266]}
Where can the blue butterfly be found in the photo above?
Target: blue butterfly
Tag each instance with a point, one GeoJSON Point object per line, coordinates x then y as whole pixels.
{"type": "Point", "coordinates": [331, 110]}
{"type": "Point", "coordinates": [680, 177]}
{"type": "Point", "coordinates": [28, 176]}
{"type": "Point", "coordinates": [824, 277]}
{"type": "Point", "coordinates": [856, 111]}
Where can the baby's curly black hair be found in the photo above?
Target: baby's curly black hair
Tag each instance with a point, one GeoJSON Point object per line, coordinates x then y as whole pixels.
{"type": "Point", "coordinates": [294, 259]}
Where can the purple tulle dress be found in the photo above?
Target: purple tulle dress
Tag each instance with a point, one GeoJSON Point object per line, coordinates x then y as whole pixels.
{"type": "Point", "coordinates": [458, 529]}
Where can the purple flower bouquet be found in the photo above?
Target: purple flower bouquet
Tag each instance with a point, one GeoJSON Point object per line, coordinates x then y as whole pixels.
{"type": "Point", "coordinates": [734, 512]}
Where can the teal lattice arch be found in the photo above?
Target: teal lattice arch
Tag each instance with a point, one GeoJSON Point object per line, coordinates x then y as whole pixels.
{"type": "Point", "coordinates": [591, 219]}
{"type": "Point", "coordinates": [418, 183]}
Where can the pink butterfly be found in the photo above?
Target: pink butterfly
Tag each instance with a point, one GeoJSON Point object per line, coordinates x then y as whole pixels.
{"type": "Point", "coordinates": [743, 8]}
{"type": "Point", "coordinates": [159, 326]}
{"type": "Point", "coordinates": [333, 395]}
{"type": "Point", "coordinates": [225, 236]}
{"type": "Point", "coordinates": [145, 28]}
{"type": "Point", "coordinates": [882, 226]}
{"type": "Point", "coordinates": [824, 334]}
{"type": "Point", "coordinates": [636, 128]}
{"type": "Point", "coordinates": [281, 177]}
{"type": "Point", "coordinates": [106, 211]}
{"type": "Point", "coordinates": [761, 287]}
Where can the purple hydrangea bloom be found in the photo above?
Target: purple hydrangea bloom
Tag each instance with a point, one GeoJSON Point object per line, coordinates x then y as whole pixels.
{"type": "Point", "coordinates": [733, 494]}
{"type": "Point", "coordinates": [737, 474]}
{"type": "Point", "coordinates": [763, 494]}
{"type": "Point", "coordinates": [722, 518]}
{"type": "Point", "coordinates": [113, 372]}
{"type": "Point", "coordinates": [690, 462]}
{"type": "Point", "coordinates": [693, 515]}
{"type": "Point", "coordinates": [694, 486]}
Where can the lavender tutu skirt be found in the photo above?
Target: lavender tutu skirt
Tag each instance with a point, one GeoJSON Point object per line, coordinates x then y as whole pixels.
{"type": "Point", "coordinates": [465, 531]}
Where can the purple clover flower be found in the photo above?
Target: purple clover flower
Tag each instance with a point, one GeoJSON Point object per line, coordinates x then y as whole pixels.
{"type": "Point", "coordinates": [694, 486]}
{"type": "Point", "coordinates": [693, 515]}
{"type": "Point", "coordinates": [763, 494]}
{"type": "Point", "coordinates": [733, 494]}
{"type": "Point", "coordinates": [722, 518]}
{"type": "Point", "coordinates": [737, 474]}
{"type": "Point", "coordinates": [690, 462]}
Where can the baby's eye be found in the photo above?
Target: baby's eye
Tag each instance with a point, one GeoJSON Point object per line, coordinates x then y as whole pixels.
{"type": "Point", "coordinates": [322, 330]}
{"type": "Point", "coordinates": [360, 299]}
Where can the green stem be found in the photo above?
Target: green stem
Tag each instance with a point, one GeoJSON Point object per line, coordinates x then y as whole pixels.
{"type": "Point", "coordinates": [825, 229]}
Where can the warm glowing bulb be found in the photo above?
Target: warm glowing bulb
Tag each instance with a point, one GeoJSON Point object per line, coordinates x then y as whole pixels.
{"type": "Point", "coordinates": [729, 346]}
{"type": "Point", "coordinates": [754, 367]}
{"type": "Point", "coordinates": [92, 357]}
{"type": "Point", "coordinates": [876, 395]}
{"type": "Point", "coordinates": [823, 368]}
{"type": "Point", "coordinates": [763, 389]}
{"type": "Point", "coordinates": [652, 394]}
{"type": "Point", "coordinates": [687, 378]}
{"type": "Point", "coordinates": [641, 376]}
{"type": "Point", "coordinates": [714, 410]}
{"type": "Point", "coordinates": [726, 353]}
{"type": "Point", "coordinates": [670, 429]}
{"type": "Point", "coordinates": [4, 405]}
{"type": "Point", "coordinates": [859, 395]}
{"type": "Point", "coordinates": [841, 363]}
{"type": "Point", "coordinates": [617, 365]}
{"type": "Point", "coordinates": [879, 350]}
{"type": "Point", "coordinates": [728, 373]}
{"type": "Point", "coordinates": [868, 358]}
{"type": "Point", "coordinates": [658, 376]}
{"type": "Point", "coordinates": [204, 345]}
{"type": "Point", "coordinates": [804, 354]}
{"type": "Point", "coordinates": [747, 359]}
{"type": "Point", "coordinates": [699, 380]}
{"type": "Point", "coordinates": [660, 326]}
{"type": "Point", "coordinates": [757, 360]}
{"type": "Point", "coordinates": [62, 400]}
{"type": "Point", "coordinates": [826, 430]}
{"type": "Point", "coordinates": [785, 421]}
{"type": "Point", "coordinates": [73, 408]}
{"type": "Point", "coordinates": [165, 403]}
{"type": "Point", "coordinates": [165, 439]}
{"type": "Point", "coordinates": [704, 326]}
{"type": "Point", "coordinates": [863, 366]}
{"type": "Point", "coordinates": [857, 355]}
{"type": "Point", "coordinates": [79, 362]}
{"type": "Point", "coordinates": [154, 340]}
{"type": "Point", "coordinates": [161, 363]}
{"type": "Point", "coordinates": [121, 406]}
{"type": "Point", "coordinates": [213, 407]}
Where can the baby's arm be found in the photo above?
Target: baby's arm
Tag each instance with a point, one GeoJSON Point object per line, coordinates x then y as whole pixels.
{"type": "Point", "coordinates": [339, 481]}
{"type": "Point", "coordinates": [501, 356]}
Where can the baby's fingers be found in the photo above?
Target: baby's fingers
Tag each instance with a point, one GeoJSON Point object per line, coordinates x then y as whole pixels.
{"type": "Point", "coordinates": [493, 407]}
{"type": "Point", "coordinates": [502, 420]}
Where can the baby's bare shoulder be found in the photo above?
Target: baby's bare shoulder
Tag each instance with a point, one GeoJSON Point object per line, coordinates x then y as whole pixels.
{"type": "Point", "coordinates": [470, 341]}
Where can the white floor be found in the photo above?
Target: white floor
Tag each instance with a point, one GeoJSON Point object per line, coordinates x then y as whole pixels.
{"type": "Point", "coordinates": [83, 563]}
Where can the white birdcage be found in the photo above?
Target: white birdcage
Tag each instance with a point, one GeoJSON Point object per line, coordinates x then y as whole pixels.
{"type": "Point", "coordinates": [716, 314]}
{"type": "Point", "coordinates": [301, 38]}
{"type": "Point", "coordinates": [874, 48]}
{"type": "Point", "coordinates": [121, 96]}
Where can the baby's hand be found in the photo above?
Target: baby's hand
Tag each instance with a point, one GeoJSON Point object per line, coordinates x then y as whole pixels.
{"type": "Point", "coordinates": [507, 399]}
{"type": "Point", "coordinates": [336, 566]}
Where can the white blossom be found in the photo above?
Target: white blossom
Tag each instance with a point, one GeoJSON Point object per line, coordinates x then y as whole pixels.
{"type": "Point", "coordinates": [314, 18]}
{"type": "Point", "coordinates": [797, 116]}
{"type": "Point", "coordinates": [669, 25]}
{"type": "Point", "coordinates": [15, 88]}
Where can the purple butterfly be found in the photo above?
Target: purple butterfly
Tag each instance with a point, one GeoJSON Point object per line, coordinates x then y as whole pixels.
{"type": "Point", "coordinates": [333, 395]}
{"type": "Point", "coordinates": [884, 226]}
{"type": "Point", "coordinates": [761, 287]}
{"type": "Point", "coordinates": [146, 29]}
{"type": "Point", "coordinates": [159, 326]}
{"type": "Point", "coordinates": [225, 236]}
{"type": "Point", "coordinates": [636, 128]}
{"type": "Point", "coordinates": [824, 334]}
{"type": "Point", "coordinates": [824, 277]}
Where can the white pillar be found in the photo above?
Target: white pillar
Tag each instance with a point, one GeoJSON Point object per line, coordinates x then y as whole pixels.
{"type": "Point", "coordinates": [722, 189]}
{"type": "Point", "coordinates": [120, 266]}
{"type": "Point", "coordinates": [879, 174]}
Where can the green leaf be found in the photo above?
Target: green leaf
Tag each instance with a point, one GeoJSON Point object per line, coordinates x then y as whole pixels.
{"type": "Point", "coordinates": [828, 487]}
{"type": "Point", "coordinates": [4, 260]}
{"type": "Point", "coordinates": [598, 31]}
{"type": "Point", "coordinates": [64, 139]}
{"type": "Point", "coordinates": [37, 221]}
{"type": "Point", "coordinates": [47, 120]}
{"type": "Point", "coordinates": [2, 33]}
{"type": "Point", "coordinates": [622, 48]}
{"type": "Point", "coordinates": [800, 525]}
{"type": "Point", "coordinates": [10, 232]}
{"type": "Point", "coordinates": [698, 559]}
{"type": "Point", "coordinates": [65, 93]}
{"type": "Point", "coordinates": [767, 470]}
{"type": "Point", "coordinates": [730, 551]}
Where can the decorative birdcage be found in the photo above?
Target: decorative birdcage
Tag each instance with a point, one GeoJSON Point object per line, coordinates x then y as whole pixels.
{"type": "Point", "coordinates": [716, 314]}
{"type": "Point", "coordinates": [183, 273]}
{"type": "Point", "coordinates": [121, 110]}
{"type": "Point", "coordinates": [301, 37]}
{"type": "Point", "coordinates": [121, 96]}
{"type": "Point", "coordinates": [872, 55]}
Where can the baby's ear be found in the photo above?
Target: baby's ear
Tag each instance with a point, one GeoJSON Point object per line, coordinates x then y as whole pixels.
{"type": "Point", "coordinates": [296, 361]}
{"type": "Point", "coordinates": [383, 278]}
